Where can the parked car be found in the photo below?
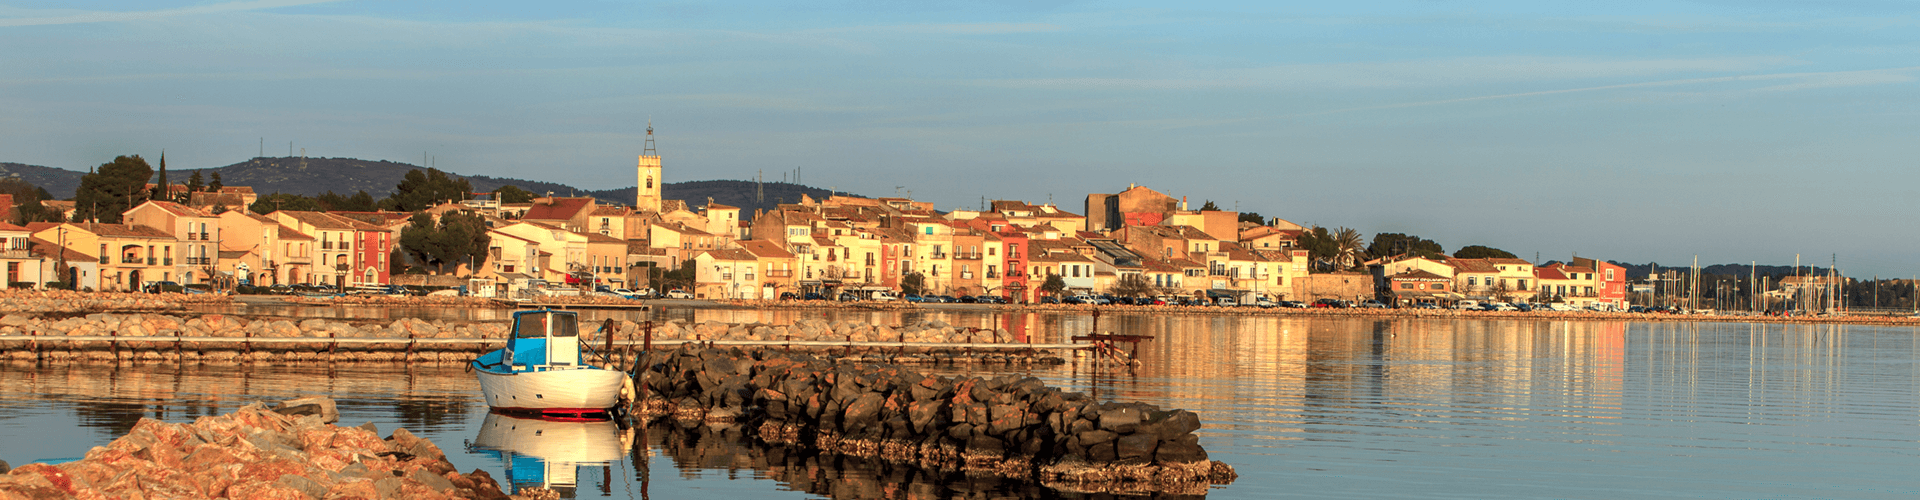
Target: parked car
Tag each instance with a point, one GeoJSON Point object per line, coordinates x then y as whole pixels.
{"type": "Point", "coordinates": [1049, 300]}
{"type": "Point", "coordinates": [848, 297]}
{"type": "Point", "coordinates": [1373, 304]}
{"type": "Point", "coordinates": [1500, 306]}
{"type": "Point", "coordinates": [678, 294]}
{"type": "Point", "coordinates": [1426, 305]}
{"type": "Point", "coordinates": [1466, 305]}
{"type": "Point", "coordinates": [1330, 303]}
{"type": "Point", "coordinates": [1561, 307]}
{"type": "Point", "coordinates": [913, 297]}
{"type": "Point", "coordinates": [1225, 302]}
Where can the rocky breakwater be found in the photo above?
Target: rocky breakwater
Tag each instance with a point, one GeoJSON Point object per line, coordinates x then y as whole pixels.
{"type": "Point", "coordinates": [931, 335]}
{"type": "Point", "coordinates": [1009, 427]}
{"type": "Point", "coordinates": [151, 336]}
{"type": "Point", "coordinates": [57, 301]}
{"type": "Point", "coordinates": [253, 453]}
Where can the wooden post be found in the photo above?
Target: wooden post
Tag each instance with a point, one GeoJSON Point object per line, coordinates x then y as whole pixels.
{"type": "Point", "coordinates": [646, 346]}
{"type": "Point", "coordinates": [114, 345]}
{"type": "Point", "coordinates": [334, 346]}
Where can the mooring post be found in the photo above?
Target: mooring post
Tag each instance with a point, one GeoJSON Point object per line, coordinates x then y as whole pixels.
{"type": "Point", "coordinates": [34, 344]}
{"type": "Point", "coordinates": [646, 345]}
{"type": "Point", "coordinates": [113, 343]}
{"type": "Point", "coordinates": [247, 344]}
{"type": "Point", "coordinates": [410, 343]}
{"type": "Point", "coordinates": [1096, 321]}
{"type": "Point", "coordinates": [334, 345]}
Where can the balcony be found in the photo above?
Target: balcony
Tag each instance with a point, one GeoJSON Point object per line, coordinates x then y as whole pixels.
{"type": "Point", "coordinates": [966, 275]}
{"type": "Point", "coordinates": [326, 245]}
{"type": "Point", "coordinates": [780, 273]}
{"type": "Point", "coordinates": [992, 275]}
{"type": "Point", "coordinates": [203, 237]}
{"type": "Point", "coordinates": [345, 246]}
{"type": "Point", "coordinates": [342, 267]}
{"type": "Point", "coordinates": [168, 260]}
{"type": "Point", "coordinates": [152, 261]}
{"type": "Point", "coordinates": [966, 256]}
{"type": "Point", "coordinates": [938, 256]}
{"type": "Point", "coordinates": [105, 259]}
{"type": "Point", "coordinates": [190, 236]}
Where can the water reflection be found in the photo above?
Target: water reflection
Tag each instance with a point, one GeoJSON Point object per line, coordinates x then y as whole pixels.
{"type": "Point", "coordinates": [1321, 407]}
{"type": "Point", "coordinates": [550, 453]}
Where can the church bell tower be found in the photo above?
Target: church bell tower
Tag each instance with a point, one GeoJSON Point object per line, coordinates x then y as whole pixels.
{"type": "Point", "coordinates": [647, 193]}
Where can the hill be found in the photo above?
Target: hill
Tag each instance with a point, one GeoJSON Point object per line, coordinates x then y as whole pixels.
{"type": "Point", "coordinates": [313, 176]}
{"type": "Point", "coordinates": [740, 194]}
{"type": "Point", "coordinates": [59, 182]}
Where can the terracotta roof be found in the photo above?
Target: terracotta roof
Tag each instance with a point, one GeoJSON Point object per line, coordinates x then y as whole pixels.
{"type": "Point", "coordinates": [47, 248]}
{"type": "Point", "coordinates": [610, 211]}
{"type": "Point", "coordinates": [10, 227]}
{"type": "Point", "coordinates": [1472, 266]}
{"type": "Point", "coordinates": [730, 254]}
{"type": "Point", "coordinates": [325, 220]}
{"type": "Point", "coordinates": [765, 249]}
{"type": "Point", "coordinates": [1550, 273]}
{"type": "Point", "coordinates": [601, 238]}
{"type": "Point", "coordinates": [1419, 275]}
{"type": "Point", "coordinates": [122, 230]}
{"type": "Point", "coordinates": [558, 208]}
{"type": "Point", "coordinates": [177, 209]}
{"type": "Point", "coordinates": [287, 233]}
{"type": "Point", "coordinates": [717, 206]}
{"type": "Point", "coordinates": [1507, 261]}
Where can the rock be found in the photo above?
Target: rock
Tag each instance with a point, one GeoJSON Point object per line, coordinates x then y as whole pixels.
{"type": "Point", "coordinates": [863, 411]}
{"type": "Point", "coordinates": [1138, 446]}
{"type": "Point", "coordinates": [1120, 418]}
{"type": "Point", "coordinates": [4, 468]}
{"type": "Point", "coordinates": [321, 406]}
{"type": "Point", "coordinates": [1185, 449]}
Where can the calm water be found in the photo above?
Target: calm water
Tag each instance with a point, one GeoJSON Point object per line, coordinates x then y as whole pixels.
{"type": "Point", "coordinates": [1308, 407]}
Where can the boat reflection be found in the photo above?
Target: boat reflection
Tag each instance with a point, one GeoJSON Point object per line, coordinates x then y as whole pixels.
{"type": "Point", "coordinates": [548, 453]}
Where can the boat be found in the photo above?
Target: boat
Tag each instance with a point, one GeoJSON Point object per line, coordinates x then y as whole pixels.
{"type": "Point", "coordinates": [541, 371]}
{"type": "Point", "coordinates": [547, 453]}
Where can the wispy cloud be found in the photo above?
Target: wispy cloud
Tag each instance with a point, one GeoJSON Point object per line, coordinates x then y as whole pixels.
{"type": "Point", "coordinates": [1799, 81]}
{"type": "Point", "coordinates": [1393, 74]}
{"type": "Point", "coordinates": [108, 17]}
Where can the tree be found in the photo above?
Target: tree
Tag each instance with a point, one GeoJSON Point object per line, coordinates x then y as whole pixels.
{"type": "Point", "coordinates": [1253, 217]}
{"type": "Point", "coordinates": [282, 201]}
{"type": "Point", "coordinates": [1132, 285]}
{"type": "Point", "coordinates": [1319, 245]}
{"type": "Point", "coordinates": [1390, 244]}
{"type": "Point", "coordinates": [359, 202]}
{"type": "Point", "coordinates": [1482, 252]}
{"type": "Point", "coordinates": [423, 190]}
{"type": "Point", "coordinates": [26, 199]}
{"type": "Point", "coordinates": [1209, 207]}
{"type": "Point", "coordinates": [1348, 248]}
{"type": "Point", "coordinates": [681, 278]}
{"type": "Point", "coordinates": [512, 194]}
{"type": "Point", "coordinates": [1054, 285]}
{"type": "Point", "coordinates": [112, 188]}
{"type": "Point", "coordinates": [160, 191]}
{"type": "Point", "coordinates": [457, 238]}
{"type": "Point", "coordinates": [195, 183]}
{"type": "Point", "coordinates": [913, 283]}
{"type": "Point", "coordinates": [214, 187]}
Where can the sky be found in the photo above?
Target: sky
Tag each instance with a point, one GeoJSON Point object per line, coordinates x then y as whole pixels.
{"type": "Point", "coordinates": [1639, 132]}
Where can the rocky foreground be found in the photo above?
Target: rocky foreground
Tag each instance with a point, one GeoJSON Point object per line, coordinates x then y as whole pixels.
{"type": "Point", "coordinates": [255, 453]}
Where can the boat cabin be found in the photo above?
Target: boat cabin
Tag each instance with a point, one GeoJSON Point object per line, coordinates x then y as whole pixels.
{"type": "Point", "coordinates": [544, 340]}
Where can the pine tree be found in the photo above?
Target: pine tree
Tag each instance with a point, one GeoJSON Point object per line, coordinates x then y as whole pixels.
{"type": "Point", "coordinates": [212, 187]}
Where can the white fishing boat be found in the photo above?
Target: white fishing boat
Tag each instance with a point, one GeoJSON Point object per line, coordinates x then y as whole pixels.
{"type": "Point", "coordinates": [548, 453]}
{"type": "Point", "coordinates": [541, 370]}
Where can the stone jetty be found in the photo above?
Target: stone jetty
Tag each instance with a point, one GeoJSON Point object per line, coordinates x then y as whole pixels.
{"type": "Point", "coordinates": [1005, 426]}
{"type": "Point", "coordinates": [255, 453]}
{"type": "Point", "coordinates": [148, 336]}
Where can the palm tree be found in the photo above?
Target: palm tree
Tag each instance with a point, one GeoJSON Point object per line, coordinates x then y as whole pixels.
{"type": "Point", "coordinates": [1348, 247]}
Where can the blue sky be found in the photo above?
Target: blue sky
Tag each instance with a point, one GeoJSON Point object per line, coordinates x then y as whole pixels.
{"type": "Point", "coordinates": [1634, 131]}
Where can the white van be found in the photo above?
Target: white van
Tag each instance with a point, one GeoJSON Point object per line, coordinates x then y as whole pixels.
{"type": "Point", "coordinates": [1466, 305]}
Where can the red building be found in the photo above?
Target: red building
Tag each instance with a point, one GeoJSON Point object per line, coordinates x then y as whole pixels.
{"type": "Point", "coordinates": [1609, 281]}
{"type": "Point", "coordinates": [1013, 258]}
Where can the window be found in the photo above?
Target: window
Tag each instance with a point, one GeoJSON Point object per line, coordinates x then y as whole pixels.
{"type": "Point", "coordinates": [1406, 286]}
{"type": "Point", "coordinates": [1439, 286]}
{"type": "Point", "coordinates": [1609, 275]}
{"type": "Point", "coordinates": [990, 251]}
{"type": "Point", "coordinates": [1523, 285]}
{"type": "Point", "coordinates": [1472, 281]}
{"type": "Point", "coordinates": [1589, 291]}
{"type": "Point", "coordinates": [649, 182]}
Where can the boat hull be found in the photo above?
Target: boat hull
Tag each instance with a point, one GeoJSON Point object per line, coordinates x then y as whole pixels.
{"type": "Point", "coordinates": [554, 391]}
